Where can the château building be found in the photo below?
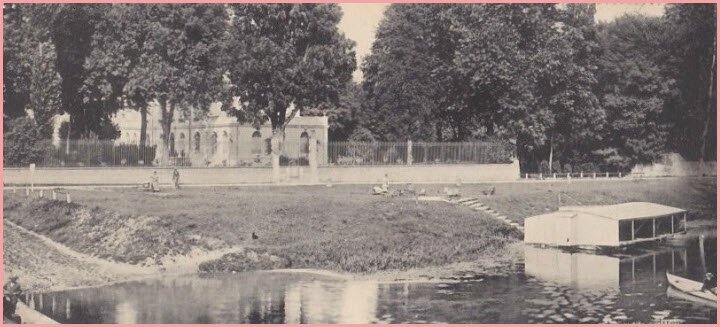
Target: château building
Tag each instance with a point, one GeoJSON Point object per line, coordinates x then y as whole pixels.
{"type": "Point", "coordinates": [216, 139]}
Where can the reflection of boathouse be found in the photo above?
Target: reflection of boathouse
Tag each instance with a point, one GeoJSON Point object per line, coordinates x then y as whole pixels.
{"type": "Point", "coordinates": [610, 225]}
{"type": "Point", "coordinates": [594, 271]}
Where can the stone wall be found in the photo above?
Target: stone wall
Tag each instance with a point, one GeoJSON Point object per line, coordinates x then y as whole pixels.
{"type": "Point", "coordinates": [674, 165]}
{"type": "Point", "coordinates": [248, 175]}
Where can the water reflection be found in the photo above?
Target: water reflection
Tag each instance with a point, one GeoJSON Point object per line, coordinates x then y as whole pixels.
{"type": "Point", "coordinates": [552, 286]}
{"type": "Point", "coordinates": [590, 271]}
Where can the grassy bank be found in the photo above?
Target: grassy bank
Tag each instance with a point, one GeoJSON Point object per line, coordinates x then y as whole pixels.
{"type": "Point", "coordinates": [521, 200]}
{"type": "Point", "coordinates": [341, 228]}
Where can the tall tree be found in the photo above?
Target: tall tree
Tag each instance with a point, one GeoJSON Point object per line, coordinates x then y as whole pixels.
{"type": "Point", "coordinates": [71, 27]}
{"type": "Point", "coordinates": [691, 40]}
{"type": "Point", "coordinates": [16, 38]}
{"type": "Point", "coordinates": [44, 88]}
{"type": "Point", "coordinates": [31, 78]}
{"type": "Point", "coordinates": [180, 64]}
{"type": "Point", "coordinates": [634, 91]}
{"type": "Point", "coordinates": [117, 48]}
{"type": "Point", "coordinates": [283, 58]}
{"type": "Point", "coordinates": [567, 87]}
{"type": "Point", "coordinates": [409, 92]}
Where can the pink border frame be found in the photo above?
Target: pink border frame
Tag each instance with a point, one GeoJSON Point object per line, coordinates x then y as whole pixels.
{"type": "Point", "coordinates": [338, 1]}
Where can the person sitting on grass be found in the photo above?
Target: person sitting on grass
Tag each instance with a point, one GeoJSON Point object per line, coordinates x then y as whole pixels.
{"type": "Point", "coordinates": [155, 182]}
{"type": "Point", "coordinates": [384, 188]}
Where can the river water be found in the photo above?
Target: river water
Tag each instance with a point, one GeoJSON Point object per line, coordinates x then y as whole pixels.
{"type": "Point", "coordinates": [551, 286]}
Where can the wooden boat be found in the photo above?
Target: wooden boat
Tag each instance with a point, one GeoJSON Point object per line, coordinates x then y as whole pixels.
{"type": "Point", "coordinates": [689, 290]}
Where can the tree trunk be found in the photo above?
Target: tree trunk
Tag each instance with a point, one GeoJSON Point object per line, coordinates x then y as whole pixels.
{"type": "Point", "coordinates": [67, 145]}
{"type": "Point", "coordinates": [550, 163]}
{"type": "Point", "coordinates": [708, 108]}
{"type": "Point", "coordinates": [167, 111]}
{"type": "Point", "coordinates": [143, 130]}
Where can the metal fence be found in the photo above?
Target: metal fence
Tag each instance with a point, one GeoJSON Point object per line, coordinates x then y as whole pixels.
{"type": "Point", "coordinates": [78, 153]}
{"type": "Point", "coordinates": [404, 153]}
{"type": "Point", "coordinates": [100, 153]}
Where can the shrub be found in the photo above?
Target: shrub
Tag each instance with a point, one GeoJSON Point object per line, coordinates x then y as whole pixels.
{"type": "Point", "coordinates": [21, 144]}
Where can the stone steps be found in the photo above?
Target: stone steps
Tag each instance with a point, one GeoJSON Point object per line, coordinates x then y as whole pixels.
{"type": "Point", "coordinates": [476, 204]}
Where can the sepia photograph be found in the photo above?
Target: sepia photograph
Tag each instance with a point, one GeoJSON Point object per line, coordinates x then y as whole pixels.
{"type": "Point", "coordinates": [359, 163]}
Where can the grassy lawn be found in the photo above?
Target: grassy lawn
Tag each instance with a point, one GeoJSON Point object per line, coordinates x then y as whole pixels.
{"type": "Point", "coordinates": [341, 228]}
{"type": "Point", "coordinates": [521, 200]}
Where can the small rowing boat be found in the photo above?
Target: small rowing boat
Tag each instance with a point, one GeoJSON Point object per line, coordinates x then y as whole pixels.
{"type": "Point", "coordinates": [687, 289]}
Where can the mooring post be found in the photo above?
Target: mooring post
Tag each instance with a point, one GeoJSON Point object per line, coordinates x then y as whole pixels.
{"type": "Point", "coordinates": [594, 175]}
{"type": "Point", "coordinates": [526, 175]}
{"type": "Point", "coordinates": [568, 175]}
{"type": "Point", "coordinates": [581, 174]}
{"type": "Point", "coordinates": [554, 175]}
{"type": "Point", "coordinates": [41, 194]}
{"type": "Point", "coordinates": [54, 195]}
{"type": "Point", "coordinates": [607, 175]}
{"type": "Point", "coordinates": [701, 240]}
{"type": "Point", "coordinates": [67, 197]}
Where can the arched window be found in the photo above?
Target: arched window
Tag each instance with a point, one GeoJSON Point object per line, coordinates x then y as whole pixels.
{"type": "Point", "coordinates": [213, 143]}
{"type": "Point", "coordinates": [197, 141]}
{"type": "Point", "coordinates": [304, 143]}
{"type": "Point", "coordinates": [256, 143]}
{"type": "Point", "coordinates": [172, 145]}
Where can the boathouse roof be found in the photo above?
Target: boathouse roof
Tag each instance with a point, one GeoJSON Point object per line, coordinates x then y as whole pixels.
{"type": "Point", "coordinates": [624, 211]}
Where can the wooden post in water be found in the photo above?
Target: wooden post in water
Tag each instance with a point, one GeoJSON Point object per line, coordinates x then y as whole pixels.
{"type": "Point", "coordinates": [67, 308]}
{"type": "Point", "coordinates": [701, 240]}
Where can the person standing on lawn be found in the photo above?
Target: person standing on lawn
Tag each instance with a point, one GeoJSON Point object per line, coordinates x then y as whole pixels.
{"type": "Point", "coordinates": [155, 182]}
{"type": "Point", "coordinates": [176, 178]}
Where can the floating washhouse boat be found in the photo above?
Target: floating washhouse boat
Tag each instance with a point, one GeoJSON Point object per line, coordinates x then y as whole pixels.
{"type": "Point", "coordinates": [616, 225]}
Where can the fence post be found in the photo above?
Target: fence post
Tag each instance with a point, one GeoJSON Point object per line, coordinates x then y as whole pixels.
{"type": "Point", "coordinates": [607, 175]}
{"type": "Point", "coordinates": [409, 152]}
{"type": "Point", "coordinates": [620, 175]}
{"type": "Point", "coordinates": [67, 197]}
{"type": "Point", "coordinates": [313, 160]}
{"type": "Point", "coordinates": [526, 175]}
{"type": "Point", "coordinates": [568, 175]}
{"type": "Point", "coordinates": [554, 175]}
{"type": "Point", "coordinates": [581, 174]}
{"type": "Point", "coordinates": [594, 175]}
{"type": "Point", "coordinates": [54, 195]}
{"type": "Point", "coordinates": [42, 194]}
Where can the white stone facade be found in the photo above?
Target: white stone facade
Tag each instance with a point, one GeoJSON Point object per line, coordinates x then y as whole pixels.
{"type": "Point", "coordinates": [218, 140]}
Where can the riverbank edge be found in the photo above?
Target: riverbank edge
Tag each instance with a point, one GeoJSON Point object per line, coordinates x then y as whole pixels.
{"type": "Point", "coordinates": [496, 263]}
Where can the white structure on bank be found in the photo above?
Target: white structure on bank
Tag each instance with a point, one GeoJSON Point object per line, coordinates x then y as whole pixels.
{"type": "Point", "coordinates": [217, 139]}
{"type": "Point", "coordinates": [608, 225]}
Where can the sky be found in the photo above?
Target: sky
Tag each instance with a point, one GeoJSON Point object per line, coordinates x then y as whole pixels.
{"type": "Point", "coordinates": [361, 19]}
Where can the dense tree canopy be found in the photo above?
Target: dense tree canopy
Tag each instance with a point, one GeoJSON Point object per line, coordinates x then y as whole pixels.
{"type": "Point", "coordinates": [548, 77]}
{"type": "Point", "coordinates": [283, 57]}
{"type": "Point", "coordinates": [543, 75]}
